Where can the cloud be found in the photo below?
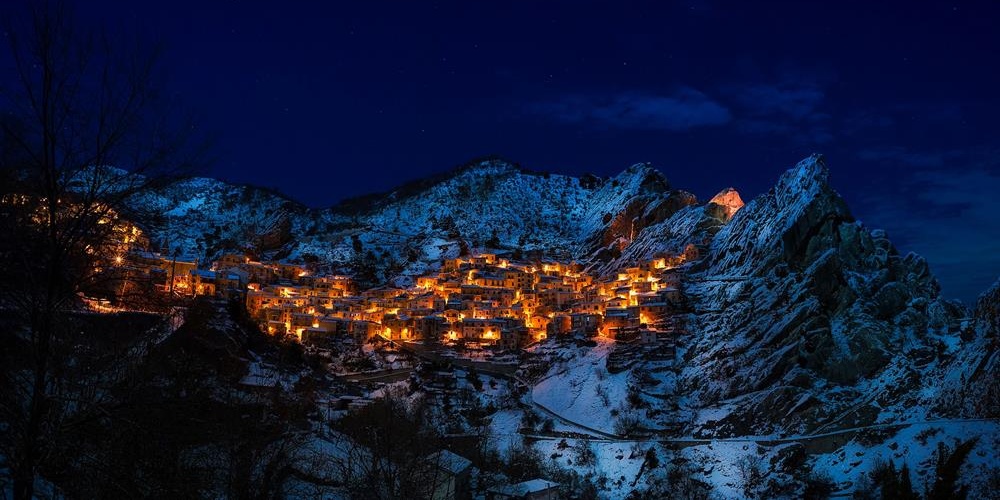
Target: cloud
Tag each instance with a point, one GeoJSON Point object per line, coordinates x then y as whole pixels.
{"type": "Point", "coordinates": [684, 109]}
{"type": "Point", "coordinates": [866, 122]}
{"type": "Point", "coordinates": [796, 101]}
{"type": "Point", "coordinates": [905, 157]}
{"type": "Point", "coordinates": [947, 216]}
{"type": "Point", "coordinates": [790, 108]}
{"type": "Point", "coordinates": [924, 118]}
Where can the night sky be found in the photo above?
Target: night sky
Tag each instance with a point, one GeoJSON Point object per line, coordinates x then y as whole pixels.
{"type": "Point", "coordinates": [327, 100]}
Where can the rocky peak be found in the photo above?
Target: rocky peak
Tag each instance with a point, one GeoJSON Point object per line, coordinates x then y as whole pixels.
{"type": "Point", "coordinates": [488, 166]}
{"type": "Point", "coordinates": [729, 200]}
{"type": "Point", "coordinates": [643, 177]}
{"type": "Point", "coordinates": [807, 179]}
{"type": "Point", "coordinates": [988, 310]}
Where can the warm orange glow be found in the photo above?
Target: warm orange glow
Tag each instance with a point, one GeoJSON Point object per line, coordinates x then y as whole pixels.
{"type": "Point", "coordinates": [563, 292]}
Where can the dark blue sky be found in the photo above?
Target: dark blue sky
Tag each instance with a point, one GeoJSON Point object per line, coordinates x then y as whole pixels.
{"type": "Point", "coordinates": [327, 100]}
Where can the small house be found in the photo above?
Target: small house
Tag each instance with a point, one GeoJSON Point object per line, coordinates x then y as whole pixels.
{"type": "Point", "coordinates": [446, 476]}
{"type": "Point", "coordinates": [535, 489]}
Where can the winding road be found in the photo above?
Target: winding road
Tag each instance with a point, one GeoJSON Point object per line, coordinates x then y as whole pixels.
{"type": "Point", "coordinates": [593, 434]}
{"type": "Point", "coordinates": [806, 439]}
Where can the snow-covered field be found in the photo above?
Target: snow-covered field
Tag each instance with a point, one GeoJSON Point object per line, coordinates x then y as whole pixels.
{"type": "Point", "coordinates": [582, 391]}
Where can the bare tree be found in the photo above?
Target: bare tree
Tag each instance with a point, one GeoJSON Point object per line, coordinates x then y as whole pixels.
{"type": "Point", "coordinates": [80, 104]}
{"type": "Point", "coordinates": [388, 450]}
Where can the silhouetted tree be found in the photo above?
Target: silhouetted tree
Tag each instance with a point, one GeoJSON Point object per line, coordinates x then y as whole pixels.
{"type": "Point", "coordinates": [946, 470]}
{"type": "Point", "coordinates": [906, 491]}
{"type": "Point", "coordinates": [79, 104]}
{"type": "Point", "coordinates": [494, 241]}
{"type": "Point", "coordinates": [387, 451]}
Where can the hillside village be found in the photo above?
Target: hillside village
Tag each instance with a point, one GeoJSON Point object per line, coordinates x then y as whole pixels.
{"type": "Point", "coordinates": [441, 341]}
{"type": "Point", "coordinates": [485, 300]}
{"type": "Point", "coordinates": [482, 300]}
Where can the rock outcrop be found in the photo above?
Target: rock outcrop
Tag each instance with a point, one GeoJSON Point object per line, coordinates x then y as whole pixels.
{"type": "Point", "coordinates": [729, 202]}
{"type": "Point", "coordinates": [988, 311]}
{"type": "Point", "coordinates": [797, 304]}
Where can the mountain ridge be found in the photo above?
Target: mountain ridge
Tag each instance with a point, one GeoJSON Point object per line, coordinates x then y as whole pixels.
{"type": "Point", "coordinates": [263, 222]}
{"type": "Point", "coordinates": [798, 320]}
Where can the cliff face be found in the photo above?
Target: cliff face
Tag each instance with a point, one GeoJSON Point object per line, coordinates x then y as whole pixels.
{"type": "Point", "coordinates": [988, 312]}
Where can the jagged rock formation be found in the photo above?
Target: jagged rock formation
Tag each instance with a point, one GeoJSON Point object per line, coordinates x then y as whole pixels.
{"type": "Point", "coordinates": [988, 312]}
{"type": "Point", "coordinates": [800, 320]}
{"type": "Point", "coordinates": [799, 312]}
{"type": "Point", "coordinates": [802, 314]}
{"type": "Point", "coordinates": [729, 201]}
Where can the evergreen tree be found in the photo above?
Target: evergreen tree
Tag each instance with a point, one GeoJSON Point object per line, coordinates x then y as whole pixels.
{"type": "Point", "coordinates": [905, 485]}
{"type": "Point", "coordinates": [949, 463]}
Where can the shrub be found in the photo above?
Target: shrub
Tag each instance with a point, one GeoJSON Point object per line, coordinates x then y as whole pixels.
{"type": "Point", "coordinates": [548, 425]}
{"type": "Point", "coordinates": [818, 485]}
{"type": "Point", "coordinates": [927, 433]}
{"type": "Point", "coordinates": [893, 483]}
{"type": "Point", "coordinates": [682, 484]}
{"type": "Point", "coordinates": [634, 398]}
{"type": "Point", "coordinates": [627, 424]}
{"type": "Point", "coordinates": [523, 463]}
{"type": "Point", "coordinates": [751, 471]}
{"type": "Point", "coordinates": [584, 453]}
{"type": "Point", "coordinates": [651, 461]}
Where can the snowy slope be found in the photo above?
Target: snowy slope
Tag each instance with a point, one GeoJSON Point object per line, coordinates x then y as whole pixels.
{"type": "Point", "coordinates": [489, 203]}
{"type": "Point", "coordinates": [804, 322]}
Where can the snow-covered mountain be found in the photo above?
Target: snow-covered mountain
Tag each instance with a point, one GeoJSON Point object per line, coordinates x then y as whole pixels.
{"type": "Point", "coordinates": [801, 321]}
{"type": "Point", "coordinates": [490, 203]}
{"type": "Point", "coordinates": [790, 291]}
{"type": "Point", "coordinates": [801, 314]}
